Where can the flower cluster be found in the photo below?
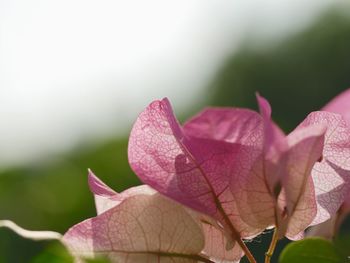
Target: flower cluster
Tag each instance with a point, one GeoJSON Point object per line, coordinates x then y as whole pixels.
{"type": "Point", "coordinates": [224, 176]}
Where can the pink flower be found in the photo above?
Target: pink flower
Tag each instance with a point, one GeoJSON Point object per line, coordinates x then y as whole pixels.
{"type": "Point", "coordinates": [196, 164]}
{"type": "Point", "coordinates": [334, 194]}
{"type": "Point", "coordinates": [331, 175]}
{"type": "Point", "coordinates": [234, 167]}
{"type": "Point", "coordinates": [140, 225]}
{"type": "Point", "coordinates": [282, 175]}
{"type": "Point", "coordinates": [232, 164]}
{"type": "Point", "coordinates": [341, 105]}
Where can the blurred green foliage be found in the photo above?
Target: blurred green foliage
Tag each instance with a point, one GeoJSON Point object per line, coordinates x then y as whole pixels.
{"type": "Point", "coordinates": [54, 195]}
{"type": "Point", "coordinates": [55, 252]}
{"type": "Point", "coordinates": [297, 75]}
{"type": "Point", "coordinates": [17, 249]}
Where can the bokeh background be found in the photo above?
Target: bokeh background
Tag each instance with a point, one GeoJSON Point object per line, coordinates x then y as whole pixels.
{"type": "Point", "coordinates": [75, 74]}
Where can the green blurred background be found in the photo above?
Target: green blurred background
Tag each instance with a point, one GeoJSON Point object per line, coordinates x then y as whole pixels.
{"type": "Point", "coordinates": [298, 74]}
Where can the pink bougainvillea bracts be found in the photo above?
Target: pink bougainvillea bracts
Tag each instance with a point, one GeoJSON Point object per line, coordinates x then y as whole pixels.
{"type": "Point", "coordinates": [194, 171]}
{"type": "Point", "coordinates": [341, 105]}
{"type": "Point", "coordinates": [331, 175]}
{"type": "Point", "coordinates": [286, 168]}
{"type": "Point", "coordinates": [232, 164]}
{"type": "Point", "coordinates": [141, 225]}
{"type": "Point", "coordinates": [334, 196]}
{"type": "Point", "coordinates": [226, 175]}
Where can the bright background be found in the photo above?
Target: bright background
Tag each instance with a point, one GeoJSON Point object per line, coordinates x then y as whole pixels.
{"type": "Point", "coordinates": [75, 74]}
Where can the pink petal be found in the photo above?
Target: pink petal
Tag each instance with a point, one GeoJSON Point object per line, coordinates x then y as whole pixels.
{"type": "Point", "coordinates": [255, 190]}
{"type": "Point", "coordinates": [141, 229]}
{"type": "Point", "coordinates": [331, 227]}
{"type": "Point", "coordinates": [341, 105]}
{"type": "Point", "coordinates": [106, 198]}
{"type": "Point", "coordinates": [227, 124]}
{"type": "Point", "coordinates": [275, 148]}
{"type": "Point", "coordinates": [331, 175]}
{"type": "Point", "coordinates": [285, 164]}
{"type": "Point", "coordinates": [306, 146]}
{"type": "Point", "coordinates": [98, 187]}
{"type": "Point", "coordinates": [194, 171]}
{"type": "Point", "coordinates": [275, 141]}
{"type": "Point", "coordinates": [254, 201]}
{"type": "Point", "coordinates": [299, 236]}
{"type": "Point", "coordinates": [215, 246]}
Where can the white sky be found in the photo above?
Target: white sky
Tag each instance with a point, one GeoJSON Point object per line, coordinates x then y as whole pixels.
{"type": "Point", "coordinates": [74, 70]}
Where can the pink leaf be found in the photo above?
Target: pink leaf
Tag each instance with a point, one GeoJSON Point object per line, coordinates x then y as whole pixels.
{"type": "Point", "coordinates": [216, 246]}
{"type": "Point", "coordinates": [196, 172]}
{"type": "Point", "coordinates": [274, 139]}
{"type": "Point", "coordinates": [227, 124]}
{"type": "Point", "coordinates": [142, 228]}
{"type": "Point", "coordinates": [331, 175]}
{"type": "Point", "coordinates": [254, 201]}
{"type": "Point", "coordinates": [306, 145]}
{"type": "Point", "coordinates": [109, 200]}
{"type": "Point", "coordinates": [98, 187]}
{"type": "Point", "coordinates": [341, 105]}
{"type": "Point", "coordinates": [275, 146]}
{"type": "Point", "coordinates": [331, 227]}
{"type": "Point", "coordinates": [279, 190]}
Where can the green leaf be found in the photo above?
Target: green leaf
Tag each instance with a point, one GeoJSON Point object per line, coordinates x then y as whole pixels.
{"type": "Point", "coordinates": [311, 250]}
{"type": "Point", "coordinates": [99, 260]}
{"type": "Point", "coordinates": [55, 253]}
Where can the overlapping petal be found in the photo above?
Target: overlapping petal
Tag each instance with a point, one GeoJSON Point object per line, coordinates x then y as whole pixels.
{"type": "Point", "coordinates": [142, 228]}
{"type": "Point", "coordinates": [330, 228]}
{"type": "Point", "coordinates": [236, 169]}
{"type": "Point", "coordinates": [216, 246]}
{"type": "Point", "coordinates": [196, 172]}
{"type": "Point", "coordinates": [231, 164]}
{"type": "Point", "coordinates": [87, 240]}
{"type": "Point", "coordinates": [280, 186]}
{"type": "Point", "coordinates": [306, 146]}
{"type": "Point", "coordinates": [232, 125]}
{"type": "Point", "coordinates": [274, 140]}
{"type": "Point", "coordinates": [255, 205]}
{"type": "Point", "coordinates": [331, 175]}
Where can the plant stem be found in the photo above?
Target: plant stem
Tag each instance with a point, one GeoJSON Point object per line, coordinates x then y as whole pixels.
{"type": "Point", "coordinates": [272, 247]}
{"type": "Point", "coordinates": [246, 250]}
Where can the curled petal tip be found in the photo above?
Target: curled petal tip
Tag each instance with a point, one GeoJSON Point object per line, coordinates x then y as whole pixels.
{"type": "Point", "coordinates": [98, 187]}
{"type": "Point", "coordinates": [264, 106]}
